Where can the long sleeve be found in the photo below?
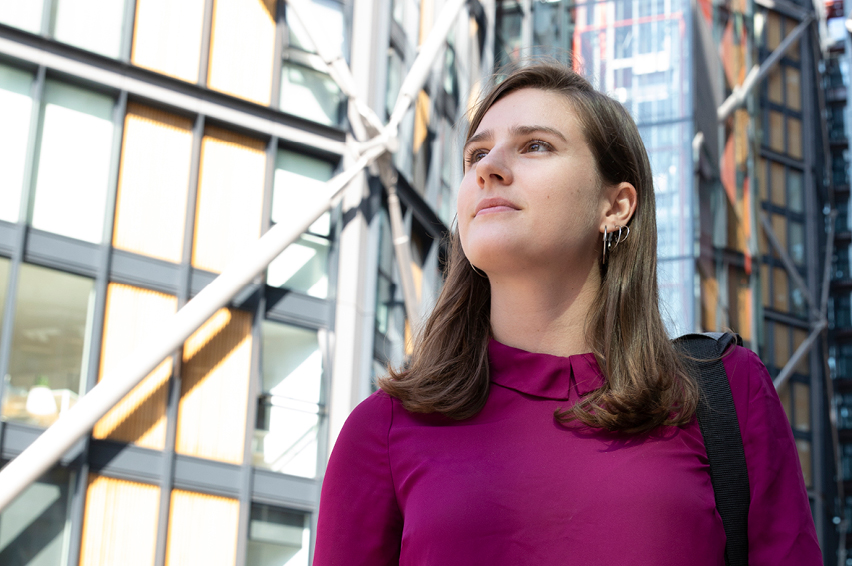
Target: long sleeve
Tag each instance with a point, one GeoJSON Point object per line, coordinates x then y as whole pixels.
{"type": "Point", "coordinates": [359, 520]}
{"type": "Point", "coordinates": [780, 525]}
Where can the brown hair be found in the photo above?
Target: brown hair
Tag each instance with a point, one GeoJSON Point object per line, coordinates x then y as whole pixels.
{"type": "Point", "coordinates": [645, 384]}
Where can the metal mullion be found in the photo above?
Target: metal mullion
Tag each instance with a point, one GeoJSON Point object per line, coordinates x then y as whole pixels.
{"type": "Point", "coordinates": [128, 28]}
{"type": "Point", "coordinates": [246, 470]}
{"type": "Point", "coordinates": [277, 58]}
{"type": "Point", "coordinates": [8, 319]}
{"type": "Point", "coordinates": [206, 35]}
{"type": "Point", "coordinates": [47, 17]}
{"type": "Point", "coordinates": [78, 506]}
{"type": "Point", "coordinates": [255, 377]}
{"type": "Point", "coordinates": [175, 380]}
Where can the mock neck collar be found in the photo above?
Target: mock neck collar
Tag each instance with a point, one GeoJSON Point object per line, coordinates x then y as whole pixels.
{"type": "Point", "coordinates": [543, 375]}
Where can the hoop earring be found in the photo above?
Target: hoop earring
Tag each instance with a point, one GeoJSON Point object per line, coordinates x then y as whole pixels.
{"type": "Point", "coordinates": [477, 271]}
{"type": "Point", "coordinates": [612, 239]}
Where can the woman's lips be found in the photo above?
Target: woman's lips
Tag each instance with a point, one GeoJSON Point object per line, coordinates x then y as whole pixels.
{"type": "Point", "coordinates": [489, 205]}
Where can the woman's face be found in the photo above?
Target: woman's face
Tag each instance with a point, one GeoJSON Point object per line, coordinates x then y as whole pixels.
{"type": "Point", "coordinates": [531, 195]}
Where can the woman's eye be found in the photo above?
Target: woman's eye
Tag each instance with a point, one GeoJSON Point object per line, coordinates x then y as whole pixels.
{"type": "Point", "coordinates": [536, 146]}
{"type": "Point", "coordinates": [476, 155]}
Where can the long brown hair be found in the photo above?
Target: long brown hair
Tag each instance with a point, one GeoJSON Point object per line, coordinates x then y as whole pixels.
{"type": "Point", "coordinates": [645, 382]}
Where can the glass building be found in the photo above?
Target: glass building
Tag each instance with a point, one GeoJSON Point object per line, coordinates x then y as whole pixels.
{"type": "Point", "coordinates": [145, 144]}
{"type": "Point", "coordinates": [742, 193]}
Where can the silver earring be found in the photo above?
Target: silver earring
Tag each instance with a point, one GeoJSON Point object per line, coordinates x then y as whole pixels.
{"type": "Point", "coordinates": [477, 271]}
{"type": "Point", "coordinates": [612, 239]}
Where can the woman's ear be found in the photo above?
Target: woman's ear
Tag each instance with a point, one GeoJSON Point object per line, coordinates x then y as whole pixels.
{"type": "Point", "coordinates": [620, 203]}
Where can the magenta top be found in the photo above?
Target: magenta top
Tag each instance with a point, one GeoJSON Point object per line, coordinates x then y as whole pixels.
{"type": "Point", "coordinates": [512, 486]}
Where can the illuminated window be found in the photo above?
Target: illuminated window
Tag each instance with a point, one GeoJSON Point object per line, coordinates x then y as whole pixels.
{"type": "Point", "coordinates": [49, 345]}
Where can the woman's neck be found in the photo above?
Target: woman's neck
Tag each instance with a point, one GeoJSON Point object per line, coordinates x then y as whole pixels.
{"type": "Point", "coordinates": [544, 313]}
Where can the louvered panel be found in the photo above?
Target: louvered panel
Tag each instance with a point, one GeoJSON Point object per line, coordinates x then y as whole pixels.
{"type": "Point", "coordinates": [167, 37]}
{"type": "Point", "coordinates": [214, 388]}
{"type": "Point", "coordinates": [242, 49]}
{"type": "Point", "coordinates": [230, 197]}
{"type": "Point", "coordinates": [132, 316]}
{"type": "Point", "coordinates": [150, 210]}
{"type": "Point", "coordinates": [202, 530]}
{"type": "Point", "coordinates": [120, 524]}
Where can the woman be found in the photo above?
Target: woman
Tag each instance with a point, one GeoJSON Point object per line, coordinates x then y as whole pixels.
{"type": "Point", "coordinates": [545, 417]}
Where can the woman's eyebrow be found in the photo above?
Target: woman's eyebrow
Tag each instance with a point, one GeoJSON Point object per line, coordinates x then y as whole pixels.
{"type": "Point", "coordinates": [526, 130]}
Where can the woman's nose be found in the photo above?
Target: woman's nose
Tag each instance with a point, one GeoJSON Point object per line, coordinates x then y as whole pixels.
{"type": "Point", "coordinates": [493, 168]}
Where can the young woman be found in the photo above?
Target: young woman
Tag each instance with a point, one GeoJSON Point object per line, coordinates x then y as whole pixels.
{"type": "Point", "coordinates": [545, 417]}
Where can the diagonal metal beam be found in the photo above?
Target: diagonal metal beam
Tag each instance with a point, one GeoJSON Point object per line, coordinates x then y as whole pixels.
{"type": "Point", "coordinates": [792, 270]}
{"type": "Point", "coordinates": [48, 448]}
{"type": "Point", "coordinates": [758, 73]}
{"type": "Point", "coordinates": [79, 419]}
{"type": "Point", "coordinates": [800, 352]}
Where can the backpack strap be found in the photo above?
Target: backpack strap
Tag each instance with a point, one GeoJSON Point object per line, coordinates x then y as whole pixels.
{"type": "Point", "coordinates": [717, 418]}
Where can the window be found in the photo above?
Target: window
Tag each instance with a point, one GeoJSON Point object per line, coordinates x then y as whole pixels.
{"type": "Point", "coordinates": [230, 197]}
{"type": "Point", "coordinates": [310, 94]}
{"type": "Point", "coordinates": [327, 25]}
{"type": "Point", "coordinates": [289, 407]}
{"type": "Point", "coordinates": [94, 25]}
{"type": "Point", "coordinates": [34, 528]}
{"type": "Point", "coordinates": [23, 15]}
{"type": "Point", "coordinates": [202, 529]}
{"type": "Point", "coordinates": [299, 183]}
{"type": "Point", "coordinates": [277, 537]}
{"type": "Point", "coordinates": [150, 211]}
{"type": "Point", "coordinates": [120, 523]}
{"type": "Point", "coordinates": [242, 49]}
{"type": "Point", "coordinates": [74, 162]}
{"type": "Point", "coordinates": [214, 388]}
{"type": "Point", "coordinates": [50, 345]}
{"type": "Point", "coordinates": [167, 37]}
{"type": "Point", "coordinates": [15, 114]}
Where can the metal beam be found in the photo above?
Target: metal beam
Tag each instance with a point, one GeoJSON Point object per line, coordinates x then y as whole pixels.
{"type": "Point", "coordinates": [79, 420]}
{"type": "Point", "coordinates": [758, 73]}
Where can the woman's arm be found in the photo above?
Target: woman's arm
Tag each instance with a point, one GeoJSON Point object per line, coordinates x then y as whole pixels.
{"type": "Point", "coordinates": [780, 525]}
{"type": "Point", "coordinates": [359, 520]}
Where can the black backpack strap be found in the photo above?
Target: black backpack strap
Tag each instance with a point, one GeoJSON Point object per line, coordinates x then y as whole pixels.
{"type": "Point", "coordinates": [717, 418]}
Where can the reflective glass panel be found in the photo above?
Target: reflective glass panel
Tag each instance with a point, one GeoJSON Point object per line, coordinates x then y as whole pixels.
{"type": "Point", "coordinates": [34, 527]}
{"type": "Point", "coordinates": [277, 537]}
{"type": "Point", "coordinates": [285, 438]}
{"type": "Point", "coordinates": [23, 14]}
{"type": "Point", "coordinates": [299, 181]}
{"type": "Point", "coordinates": [15, 113]}
{"type": "Point", "coordinates": [94, 25]}
{"type": "Point", "coordinates": [326, 24]}
{"type": "Point", "coordinates": [74, 162]}
{"type": "Point", "coordinates": [50, 345]}
{"type": "Point", "coordinates": [310, 94]}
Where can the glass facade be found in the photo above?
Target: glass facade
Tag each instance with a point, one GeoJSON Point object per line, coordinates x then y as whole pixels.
{"type": "Point", "coordinates": [158, 144]}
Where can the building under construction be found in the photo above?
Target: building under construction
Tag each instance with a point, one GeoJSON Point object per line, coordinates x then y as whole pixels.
{"type": "Point", "coordinates": [147, 145]}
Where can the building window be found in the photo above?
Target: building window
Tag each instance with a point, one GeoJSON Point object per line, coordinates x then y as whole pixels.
{"type": "Point", "coordinates": [277, 537]}
{"type": "Point", "coordinates": [150, 210]}
{"type": "Point", "coordinates": [299, 182]}
{"type": "Point", "coordinates": [50, 345]}
{"type": "Point", "coordinates": [167, 37]}
{"type": "Point", "coordinates": [15, 113]}
{"type": "Point", "coordinates": [34, 528]}
{"type": "Point", "coordinates": [23, 15]}
{"type": "Point", "coordinates": [242, 49]}
{"type": "Point", "coordinates": [309, 93]}
{"type": "Point", "coordinates": [289, 407]}
{"type": "Point", "coordinates": [93, 25]}
{"type": "Point", "coordinates": [74, 162]}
